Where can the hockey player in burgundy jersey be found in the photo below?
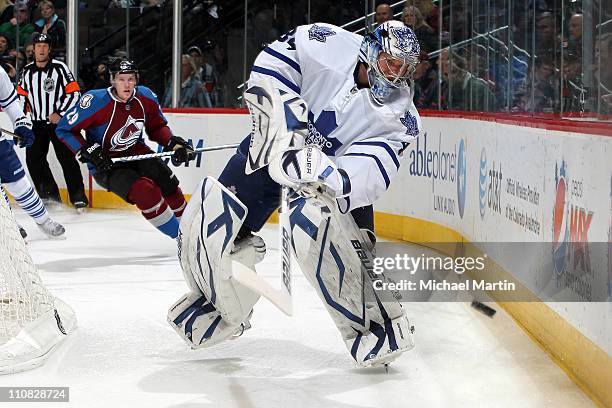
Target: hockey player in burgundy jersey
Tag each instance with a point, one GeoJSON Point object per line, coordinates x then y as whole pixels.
{"type": "Point", "coordinates": [114, 120]}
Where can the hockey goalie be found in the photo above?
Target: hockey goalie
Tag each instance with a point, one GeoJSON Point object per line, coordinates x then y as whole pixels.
{"type": "Point", "coordinates": [332, 114]}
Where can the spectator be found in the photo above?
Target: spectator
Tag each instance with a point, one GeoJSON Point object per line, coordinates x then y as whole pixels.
{"type": "Point", "coordinates": [210, 77]}
{"type": "Point", "coordinates": [6, 11]}
{"type": "Point", "coordinates": [192, 95]}
{"type": "Point", "coordinates": [25, 29]}
{"type": "Point", "coordinates": [603, 73]}
{"type": "Point", "coordinates": [425, 84]}
{"type": "Point", "coordinates": [573, 92]}
{"type": "Point", "coordinates": [460, 89]}
{"type": "Point", "coordinates": [102, 76]}
{"type": "Point", "coordinates": [29, 52]}
{"type": "Point", "coordinates": [461, 27]}
{"type": "Point", "coordinates": [545, 33]}
{"type": "Point", "coordinates": [545, 88]}
{"type": "Point", "coordinates": [429, 11]}
{"type": "Point", "coordinates": [4, 46]}
{"type": "Point", "coordinates": [53, 26]}
{"type": "Point", "coordinates": [412, 17]}
{"type": "Point", "coordinates": [575, 32]}
{"type": "Point", "coordinates": [383, 13]}
{"type": "Point", "coordinates": [196, 54]}
{"type": "Point", "coordinates": [203, 71]}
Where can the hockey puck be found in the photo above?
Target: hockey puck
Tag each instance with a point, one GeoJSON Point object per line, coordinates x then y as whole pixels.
{"type": "Point", "coordinates": [484, 309]}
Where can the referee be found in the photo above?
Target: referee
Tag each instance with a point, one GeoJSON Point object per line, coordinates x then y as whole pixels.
{"type": "Point", "coordinates": [47, 89]}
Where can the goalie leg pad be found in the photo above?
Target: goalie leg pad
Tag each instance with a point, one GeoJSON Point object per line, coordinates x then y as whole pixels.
{"type": "Point", "coordinates": [196, 321]}
{"type": "Point", "coordinates": [336, 257]}
{"type": "Point", "coordinates": [208, 229]}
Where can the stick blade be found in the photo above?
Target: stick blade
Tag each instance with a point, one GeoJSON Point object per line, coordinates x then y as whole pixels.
{"type": "Point", "coordinates": [257, 284]}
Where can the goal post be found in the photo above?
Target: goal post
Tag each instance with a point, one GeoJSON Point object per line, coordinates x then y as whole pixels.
{"type": "Point", "coordinates": [32, 321]}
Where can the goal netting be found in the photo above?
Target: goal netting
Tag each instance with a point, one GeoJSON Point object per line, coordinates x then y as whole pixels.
{"type": "Point", "coordinates": [32, 321]}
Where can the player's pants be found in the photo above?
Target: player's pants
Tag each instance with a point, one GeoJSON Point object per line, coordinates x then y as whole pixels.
{"type": "Point", "coordinates": [151, 185]}
{"type": "Point", "coordinates": [261, 194]}
{"type": "Point", "coordinates": [36, 159]}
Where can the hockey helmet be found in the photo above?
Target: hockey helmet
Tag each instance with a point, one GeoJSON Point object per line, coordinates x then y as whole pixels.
{"type": "Point", "coordinates": [123, 66]}
{"type": "Point", "coordinates": [41, 38]}
{"type": "Point", "coordinates": [394, 69]}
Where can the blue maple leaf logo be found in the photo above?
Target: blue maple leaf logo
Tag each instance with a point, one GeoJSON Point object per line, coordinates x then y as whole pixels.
{"type": "Point", "coordinates": [412, 127]}
{"type": "Point", "coordinates": [320, 33]}
{"type": "Point", "coordinates": [406, 40]}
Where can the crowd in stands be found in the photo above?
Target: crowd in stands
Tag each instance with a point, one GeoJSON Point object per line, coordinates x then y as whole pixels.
{"type": "Point", "coordinates": [522, 56]}
{"type": "Point", "coordinates": [20, 21]}
{"type": "Point", "coordinates": [536, 62]}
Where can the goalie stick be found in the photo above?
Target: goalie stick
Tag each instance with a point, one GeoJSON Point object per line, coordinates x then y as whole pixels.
{"type": "Point", "coordinates": [271, 135]}
{"type": "Point", "coordinates": [280, 297]}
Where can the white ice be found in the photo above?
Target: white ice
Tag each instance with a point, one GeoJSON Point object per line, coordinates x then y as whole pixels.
{"type": "Point", "coordinates": [121, 275]}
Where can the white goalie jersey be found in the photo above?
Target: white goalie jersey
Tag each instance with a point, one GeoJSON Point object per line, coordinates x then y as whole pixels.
{"type": "Point", "coordinates": [318, 62]}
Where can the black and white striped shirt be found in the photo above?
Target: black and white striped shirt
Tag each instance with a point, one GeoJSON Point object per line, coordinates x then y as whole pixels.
{"type": "Point", "coordinates": [47, 90]}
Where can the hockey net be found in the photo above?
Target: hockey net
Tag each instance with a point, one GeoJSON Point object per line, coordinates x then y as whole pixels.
{"type": "Point", "coordinates": [32, 320]}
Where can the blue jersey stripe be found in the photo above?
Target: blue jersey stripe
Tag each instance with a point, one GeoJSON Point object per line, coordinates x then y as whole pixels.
{"type": "Point", "coordinates": [283, 58]}
{"type": "Point", "coordinates": [278, 76]}
{"type": "Point", "coordinates": [384, 146]}
{"type": "Point", "coordinates": [378, 162]}
{"type": "Point", "coordinates": [4, 105]}
{"type": "Point", "coordinates": [8, 97]}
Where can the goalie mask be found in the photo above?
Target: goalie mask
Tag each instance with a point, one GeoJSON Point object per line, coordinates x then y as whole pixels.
{"type": "Point", "coordinates": [392, 52]}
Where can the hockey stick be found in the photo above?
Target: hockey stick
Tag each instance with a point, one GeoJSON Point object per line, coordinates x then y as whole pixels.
{"type": "Point", "coordinates": [168, 154]}
{"type": "Point", "coordinates": [268, 111]}
{"type": "Point", "coordinates": [8, 132]}
{"type": "Point", "coordinates": [151, 155]}
{"type": "Point", "coordinates": [281, 298]}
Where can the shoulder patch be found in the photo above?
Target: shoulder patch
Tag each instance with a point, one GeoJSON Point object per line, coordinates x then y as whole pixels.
{"type": "Point", "coordinates": [86, 101]}
{"type": "Point", "coordinates": [412, 127]}
{"type": "Point", "coordinates": [320, 33]}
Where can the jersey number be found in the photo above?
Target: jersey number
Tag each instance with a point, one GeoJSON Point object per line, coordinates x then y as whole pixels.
{"type": "Point", "coordinates": [289, 38]}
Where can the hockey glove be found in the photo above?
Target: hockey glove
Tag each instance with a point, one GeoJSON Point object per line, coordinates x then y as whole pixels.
{"type": "Point", "coordinates": [96, 156]}
{"type": "Point", "coordinates": [183, 151]}
{"type": "Point", "coordinates": [309, 168]}
{"type": "Point", "coordinates": [23, 129]}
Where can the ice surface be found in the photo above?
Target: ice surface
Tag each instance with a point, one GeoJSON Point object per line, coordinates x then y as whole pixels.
{"type": "Point", "coordinates": [121, 275]}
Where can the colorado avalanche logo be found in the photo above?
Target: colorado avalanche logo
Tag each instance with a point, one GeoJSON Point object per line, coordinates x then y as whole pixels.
{"type": "Point", "coordinates": [406, 40]}
{"type": "Point", "coordinates": [412, 127]}
{"type": "Point", "coordinates": [320, 33]}
{"type": "Point", "coordinates": [127, 136]}
{"type": "Point", "coordinates": [560, 230]}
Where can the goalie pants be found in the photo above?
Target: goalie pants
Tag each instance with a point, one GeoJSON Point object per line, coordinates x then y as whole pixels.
{"type": "Point", "coordinates": [261, 194]}
{"type": "Point", "coordinates": [151, 185]}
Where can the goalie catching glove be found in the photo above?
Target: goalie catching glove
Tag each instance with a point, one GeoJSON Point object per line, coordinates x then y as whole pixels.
{"type": "Point", "coordinates": [308, 168]}
{"type": "Point", "coordinates": [183, 151]}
